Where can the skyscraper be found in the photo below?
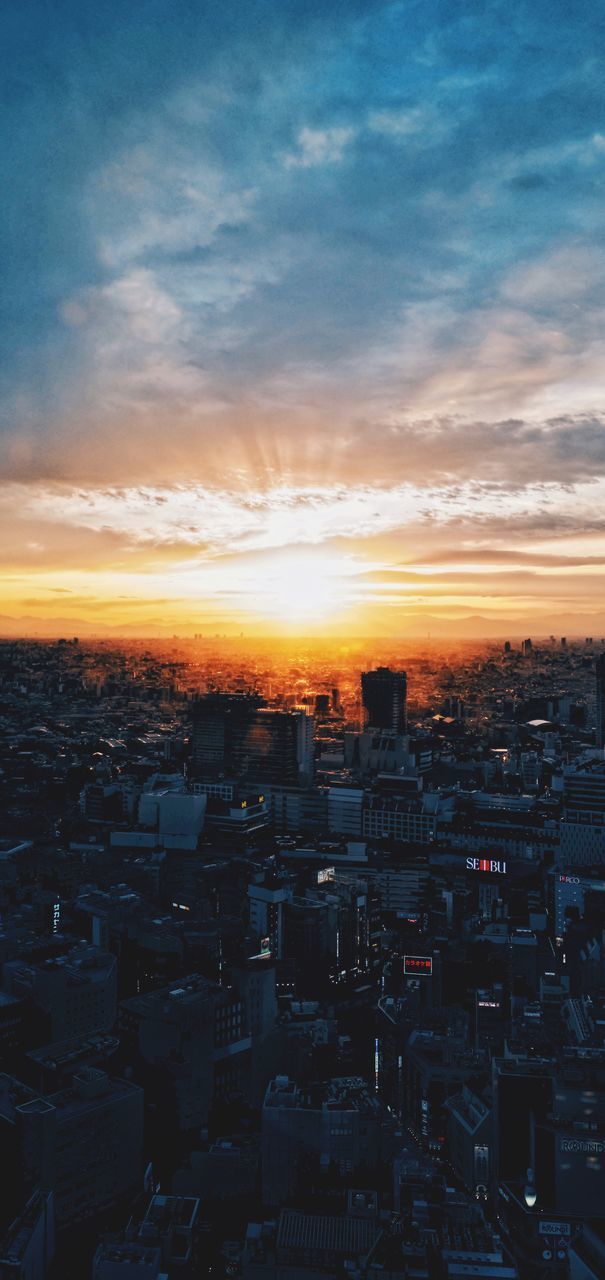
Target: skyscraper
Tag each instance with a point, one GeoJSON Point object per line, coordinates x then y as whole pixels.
{"type": "Point", "coordinates": [237, 735]}
{"type": "Point", "coordinates": [384, 698]}
{"type": "Point", "coordinates": [219, 719]}
{"type": "Point", "coordinates": [600, 726]}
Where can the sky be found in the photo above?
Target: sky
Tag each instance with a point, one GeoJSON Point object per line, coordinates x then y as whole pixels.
{"type": "Point", "coordinates": [303, 317]}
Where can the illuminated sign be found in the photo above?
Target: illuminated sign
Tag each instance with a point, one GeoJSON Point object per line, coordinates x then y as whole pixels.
{"type": "Point", "coordinates": [486, 864]}
{"type": "Point", "coordinates": [56, 916]}
{"type": "Point", "coordinates": [413, 965]}
{"type": "Point", "coordinates": [554, 1229]}
{"type": "Point", "coordinates": [265, 950]}
{"type": "Point", "coordinates": [569, 879]}
{"type": "Point", "coordinates": [424, 1117]}
{"type": "Point", "coordinates": [488, 1004]}
{"type": "Point", "coordinates": [326, 874]}
{"type": "Point", "coordinates": [587, 1148]}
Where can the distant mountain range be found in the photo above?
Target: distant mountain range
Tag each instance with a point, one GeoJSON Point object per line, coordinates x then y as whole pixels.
{"type": "Point", "coordinates": [468, 627]}
{"type": "Point", "coordinates": [28, 626]}
{"type": "Point", "coordinates": [476, 627]}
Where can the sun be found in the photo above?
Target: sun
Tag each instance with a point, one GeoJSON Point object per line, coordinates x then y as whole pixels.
{"type": "Point", "coordinates": [298, 586]}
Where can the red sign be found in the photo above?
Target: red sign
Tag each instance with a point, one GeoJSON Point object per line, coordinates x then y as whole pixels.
{"type": "Point", "coordinates": [486, 864]}
{"type": "Point", "coordinates": [413, 965]}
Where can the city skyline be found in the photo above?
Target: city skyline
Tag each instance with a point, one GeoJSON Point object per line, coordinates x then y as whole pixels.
{"type": "Point", "coordinates": [302, 320]}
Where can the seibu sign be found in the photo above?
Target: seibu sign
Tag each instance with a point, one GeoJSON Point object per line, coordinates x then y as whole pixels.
{"type": "Point", "coordinates": [497, 865]}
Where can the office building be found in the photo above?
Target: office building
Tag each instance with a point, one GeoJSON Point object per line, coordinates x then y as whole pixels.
{"type": "Point", "coordinates": [569, 891]}
{"type": "Point", "coordinates": [237, 735]}
{"type": "Point", "coordinates": [569, 1141]}
{"type": "Point", "coordinates": [523, 1093]}
{"type": "Point", "coordinates": [194, 1035]}
{"type": "Point", "coordinates": [84, 1144]}
{"type": "Point", "coordinates": [219, 720]}
{"type": "Point", "coordinates": [267, 896]}
{"type": "Point", "coordinates": [469, 1140]}
{"type": "Point", "coordinates": [583, 820]}
{"type": "Point", "coordinates": [384, 699]}
{"type": "Point", "coordinates": [345, 810]}
{"type": "Point", "coordinates": [308, 1133]}
{"type": "Point", "coordinates": [76, 992]}
{"type": "Point", "coordinates": [435, 1066]}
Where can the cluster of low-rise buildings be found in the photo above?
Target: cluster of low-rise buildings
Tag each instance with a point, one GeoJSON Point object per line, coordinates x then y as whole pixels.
{"type": "Point", "coordinates": [302, 977]}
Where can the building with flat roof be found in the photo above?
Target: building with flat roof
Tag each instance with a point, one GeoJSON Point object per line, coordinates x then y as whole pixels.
{"type": "Point", "coordinates": [84, 1143]}
{"type": "Point", "coordinates": [195, 1035]}
{"type": "Point", "coordinates": [384, 699]}
{"type": "Point", "coordinates": [76, 991]}
{"type": "Point", "coordinates": [338, 1124]}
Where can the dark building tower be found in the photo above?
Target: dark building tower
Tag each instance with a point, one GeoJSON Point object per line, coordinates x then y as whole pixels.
{"type": "Point", "coordinates": [600, 672]}
{"type": "Point", "coordinates": [384, 697]}
{"type": "Point", "coordinates": [237, 735]}
{"type": "Point", "coordinates": [219, 720]}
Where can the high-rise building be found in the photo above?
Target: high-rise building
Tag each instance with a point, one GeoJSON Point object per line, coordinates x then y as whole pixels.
{"type": "Point", "coordinates": [384, 698]}
{"type": "Point", "coordinates": [469, 1140]}
{"type": "Point", "coordinates": [267, 895]}
{"type": "Point", "coordinates": [435, 1066]}
{"type": "Point", "coordinates": [523, 1094]}
{"type": "Point", "coordinates": [237, 735]}
{"type": "Point", "coordinates": [583, 821]}
{"type": "Point", "coordinates": [569, 1142]}
{"type": "Point", "coordinates": [600, 682]}
{"type": "Point", "coordinates": [195, 1033]}
{"type": "Point", "coordinates": [276, 747]}
{"type": "Point", "coordinates": [218, 721]}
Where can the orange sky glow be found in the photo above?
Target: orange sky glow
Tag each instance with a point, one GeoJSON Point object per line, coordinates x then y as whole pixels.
{"type": "Point", "coordinates": [303, 323]}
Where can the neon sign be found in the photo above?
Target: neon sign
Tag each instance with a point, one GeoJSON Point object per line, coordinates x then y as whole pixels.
{"type": "Point", "coordinates": [413, 965]}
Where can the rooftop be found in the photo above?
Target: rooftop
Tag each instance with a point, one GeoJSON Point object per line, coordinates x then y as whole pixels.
{"type": "Point", "coordinates": [348, 1237]}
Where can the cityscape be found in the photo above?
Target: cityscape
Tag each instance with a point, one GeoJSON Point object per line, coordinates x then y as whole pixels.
{"type": "Point", "coordinates": [303, 959]}
{"type": "Point", "coordinates": [302, 640]}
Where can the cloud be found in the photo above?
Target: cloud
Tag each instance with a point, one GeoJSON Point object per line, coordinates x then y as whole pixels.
{"type": "Point", "coordinates": [406, 123]}
{"type": "Point", "coordinates": [197, 520]}
{"type": "Point", "coordinates": [301, 274]}
{"type": "Point", "coordinates": [319, 147]}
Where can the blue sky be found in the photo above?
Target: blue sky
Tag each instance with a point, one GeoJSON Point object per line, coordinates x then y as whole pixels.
{"type": "Point", "coordinates": [303, 250]}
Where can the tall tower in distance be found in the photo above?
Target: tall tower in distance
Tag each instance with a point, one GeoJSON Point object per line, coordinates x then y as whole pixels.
{"type": "Point", "coordinates": [384, 698]}
{"type": "Point", "coordinates": [600, 674]}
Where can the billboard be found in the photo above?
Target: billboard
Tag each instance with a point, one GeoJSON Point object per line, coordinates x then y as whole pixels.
{"type": "Point", "coordinates": [413, 966]}
{"type": "Point", "coordinates": [497, 866]}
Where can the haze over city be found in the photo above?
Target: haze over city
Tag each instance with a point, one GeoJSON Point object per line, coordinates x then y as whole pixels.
{"type": "Point", "coordinates": [303, 320]}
